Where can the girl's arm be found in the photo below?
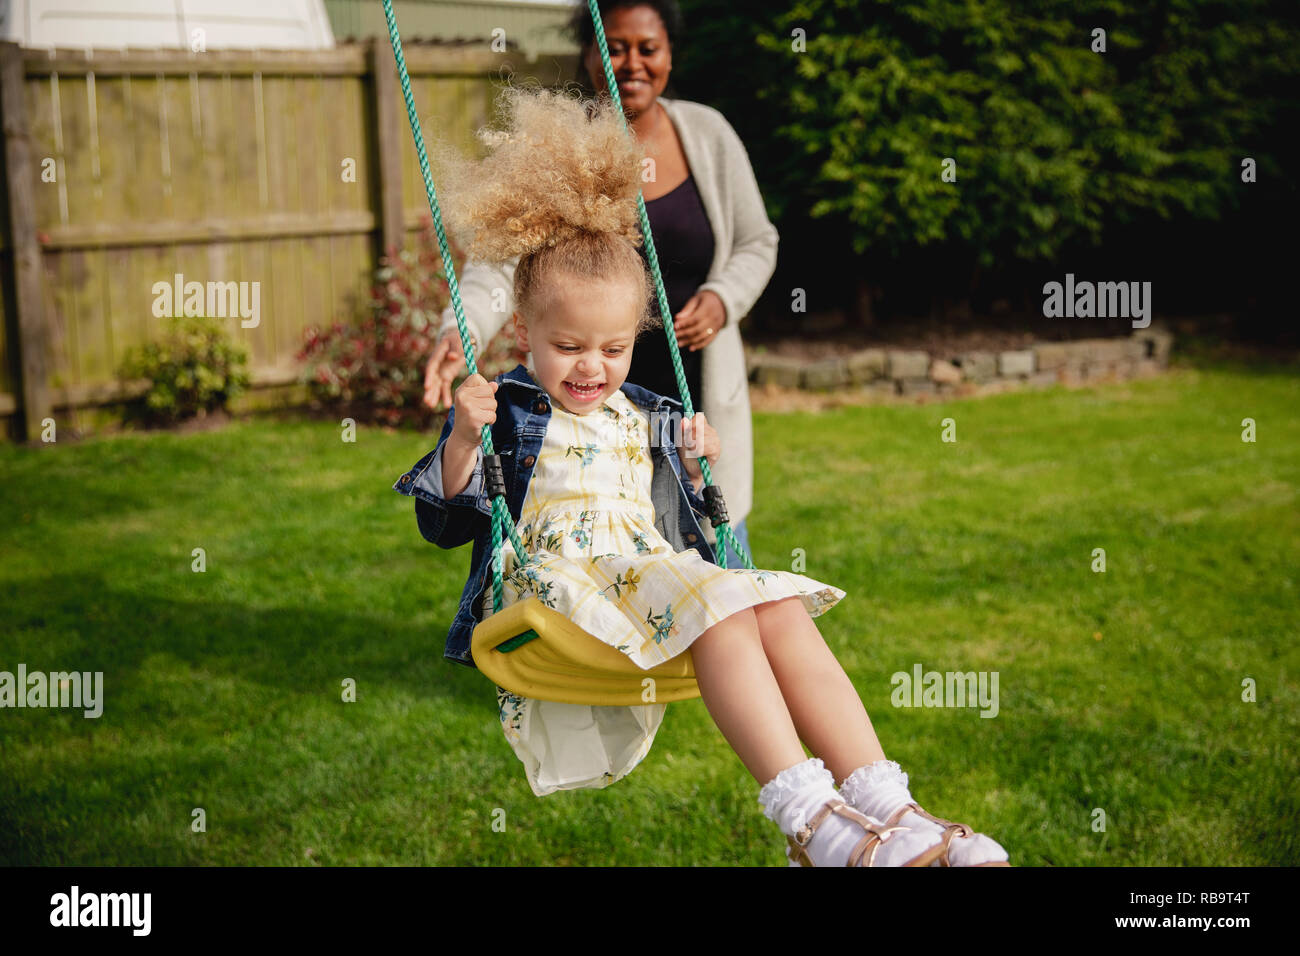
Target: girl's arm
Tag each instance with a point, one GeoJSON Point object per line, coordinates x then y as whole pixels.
{"type": "Point", "coordinates": [448, 521]}
{"type": "Point", "coordinates": [476, 406]}
{"type": "Point", "coordinates": [458, 461]}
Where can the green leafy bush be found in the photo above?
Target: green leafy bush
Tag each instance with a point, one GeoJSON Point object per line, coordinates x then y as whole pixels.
{"type": "Point", "coordinates": [195, 370]}
{"type": "Point", "coordinates": [1052, 140]}
{"type": "Point", "coordinates": [849, 110]}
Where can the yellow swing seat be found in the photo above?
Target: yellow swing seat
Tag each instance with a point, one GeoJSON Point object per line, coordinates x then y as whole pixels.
{"type": "Point", "coordinates": [564, 663]}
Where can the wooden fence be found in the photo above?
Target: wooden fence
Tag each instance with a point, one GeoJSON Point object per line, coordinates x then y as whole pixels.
{"type": "Point", "coordinates": [122, 170]}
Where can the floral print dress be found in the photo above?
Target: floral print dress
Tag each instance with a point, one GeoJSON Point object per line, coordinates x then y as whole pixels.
{"type": "Point", "coordinates": [588, 519]}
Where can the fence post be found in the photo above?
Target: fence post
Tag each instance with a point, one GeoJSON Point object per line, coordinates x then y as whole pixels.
{"type": "Point", "coordinates": [27, 328]}
{"type": "Point", "coordinates": [388, 144]}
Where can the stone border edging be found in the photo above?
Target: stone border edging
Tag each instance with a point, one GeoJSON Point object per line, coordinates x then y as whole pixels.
{"type": "Point", "coordinates": [906, 372]}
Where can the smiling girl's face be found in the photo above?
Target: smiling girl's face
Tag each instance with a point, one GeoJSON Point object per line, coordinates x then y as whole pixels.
{"type": "Point", "coordinates": [582, 345]}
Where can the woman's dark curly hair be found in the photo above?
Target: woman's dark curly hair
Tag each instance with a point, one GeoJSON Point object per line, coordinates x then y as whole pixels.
{"type": "Point", "coordinates": [583, 32]}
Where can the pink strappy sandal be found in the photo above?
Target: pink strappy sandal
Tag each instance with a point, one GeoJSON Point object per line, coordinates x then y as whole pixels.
{"type": "Point", "coordinates": [879, 833]}
{"type": "Point", "coordinates": [950, 830]}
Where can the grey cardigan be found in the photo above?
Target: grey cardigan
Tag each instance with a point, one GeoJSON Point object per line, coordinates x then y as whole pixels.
{"type": "Point", "coordinates": [744, 258]}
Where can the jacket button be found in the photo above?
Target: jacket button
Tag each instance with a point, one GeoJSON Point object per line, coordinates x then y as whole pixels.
{"type": "Point", "coordinates": [406, 479]}
{"type": "Point", "coordinates": [541, 408]}
{"type": "Point", "coordinates": [690, 538]}
{"type": "Point", "coordinates": [529, 461]}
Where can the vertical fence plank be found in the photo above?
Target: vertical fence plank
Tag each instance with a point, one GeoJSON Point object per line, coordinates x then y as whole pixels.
{"type": "Point", "coordinates": [27, 327]}
{"type": "Point", "coordinates": [281, 146]}
{"type": "Point", "coordinates": [317, 306]}
{"type": "Point", "coordinates": [184, 158]}
{"type": "Point", "coordinates": [87, 356]}
{"type": "Point", "coordinates": [349, 135]}
{"type": "Point", "coordinates": [39, 97]}
{"type": "Point", "coordinates": [121, 301]}
{"type": "Point", "coordinates": [79, 204]}
{"type": "Point", "coordinates": [213, 148]}
{"type": "Point", "coordinates": [230, 146]}
{"type": "Point", "coordinates": [256, 267]}
{"type": "Point", "coordinates": [306, 126]}
{"type": "Point", "coordinates": [343, 137]}
{"type": "Point", "coordinates": [281, 305]}
{"type": "Point", "coordinates": [280, 265]}
{"type": "Point", "coordinates": [66, 336]}
{"type": "Point", "coordinates": [9, 403]}
{"type": "Point", "coordinates": [386, 103]}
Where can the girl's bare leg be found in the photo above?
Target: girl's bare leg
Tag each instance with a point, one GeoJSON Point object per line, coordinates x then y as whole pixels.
{"type": "Point", "coordinates": [743, 697]}
{"type": "Point", "coordinates": [821, 700]}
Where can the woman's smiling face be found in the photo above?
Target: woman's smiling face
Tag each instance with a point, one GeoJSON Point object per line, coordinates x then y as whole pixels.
{"type": "Point", "coordinates": [582, 344]}
{"type": "Point", "coordinates": [639, 53]}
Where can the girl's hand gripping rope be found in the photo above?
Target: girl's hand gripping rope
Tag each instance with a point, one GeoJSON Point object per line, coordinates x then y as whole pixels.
{"type": "Point", "coordinates": [699, 439]}
{"type": "Point", "coordinates": [476, 406]}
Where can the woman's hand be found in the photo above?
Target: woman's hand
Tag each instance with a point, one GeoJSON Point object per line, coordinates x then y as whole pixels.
{"type": "Point", "coordinates": [447, 361]}
{"type": "Point", "coordinates": [700, 320]}
{"type": "Point", "coordinates": [699, 439]}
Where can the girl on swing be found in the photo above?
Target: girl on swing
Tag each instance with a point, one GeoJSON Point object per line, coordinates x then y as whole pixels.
{"type": "Point", "coordinates": [609, 513]}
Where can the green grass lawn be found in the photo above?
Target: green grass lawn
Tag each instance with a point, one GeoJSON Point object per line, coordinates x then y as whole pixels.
{"type": "Point", "coordinates": [1119, 691]}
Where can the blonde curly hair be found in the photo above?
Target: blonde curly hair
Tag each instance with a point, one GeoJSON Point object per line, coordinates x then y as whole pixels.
{"type": "Point", "coordinates": [558, 188]}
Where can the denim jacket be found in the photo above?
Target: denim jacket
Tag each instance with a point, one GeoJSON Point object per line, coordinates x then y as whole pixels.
{"type": "Point", "coordinates": [523, 412]}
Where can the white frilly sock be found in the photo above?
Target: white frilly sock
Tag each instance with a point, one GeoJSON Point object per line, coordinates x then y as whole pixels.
{"type": "Point", "coordinates": [797, 793]}
{"type": "Point", "coordinates": [879, 789]}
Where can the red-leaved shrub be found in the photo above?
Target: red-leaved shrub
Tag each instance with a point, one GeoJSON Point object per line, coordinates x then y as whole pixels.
{"type": "Point", "coordinates": [373, 369]}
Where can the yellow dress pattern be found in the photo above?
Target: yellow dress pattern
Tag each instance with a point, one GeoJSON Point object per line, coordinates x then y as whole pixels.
{"type": "Point", "coordinates": [588, 519]}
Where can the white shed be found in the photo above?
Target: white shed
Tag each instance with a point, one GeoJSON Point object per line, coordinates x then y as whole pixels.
{"type": "Point", "coordinates": [195, 25]}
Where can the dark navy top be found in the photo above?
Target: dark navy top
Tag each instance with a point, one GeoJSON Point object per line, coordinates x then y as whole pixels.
{"type": "Point", "coordinates": [684, 243]}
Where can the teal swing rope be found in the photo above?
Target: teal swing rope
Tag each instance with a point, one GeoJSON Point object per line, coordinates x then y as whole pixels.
{"type": "Point", "coordinates": [724, 533]}
{"type": "Point", "coordinates": [500, 513]}
{"type": "Point", "coordinates": [501, 520]}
